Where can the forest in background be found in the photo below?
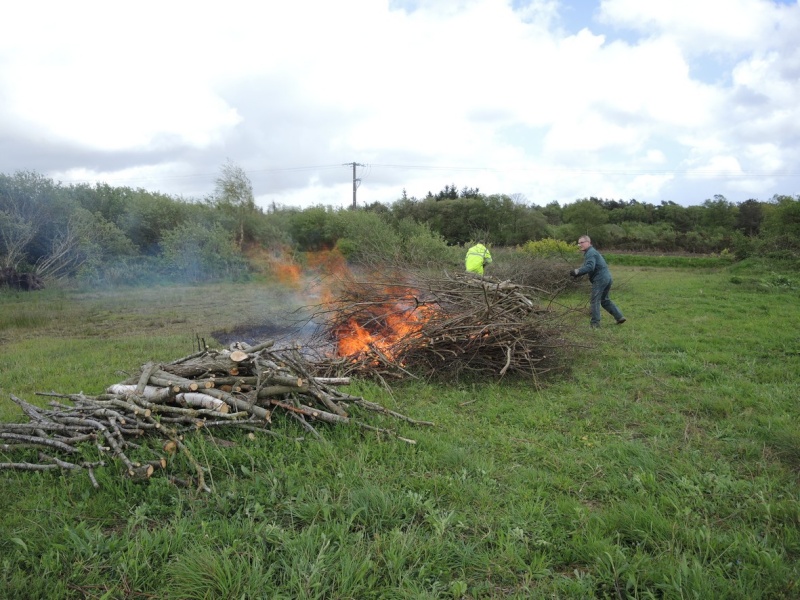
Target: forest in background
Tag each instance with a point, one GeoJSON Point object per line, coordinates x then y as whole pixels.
{"type": "Point", "coordinates": [104, 235]}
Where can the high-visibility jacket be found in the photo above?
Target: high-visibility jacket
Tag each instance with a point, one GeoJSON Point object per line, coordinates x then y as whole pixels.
{"type": "Point", "coordinates": [477, 257]}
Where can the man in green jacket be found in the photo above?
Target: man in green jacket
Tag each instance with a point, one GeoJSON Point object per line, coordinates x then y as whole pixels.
{"type": "Point", "coordinates": [478, 256]}
{"type": "Point", "coordinates": [595, 266]}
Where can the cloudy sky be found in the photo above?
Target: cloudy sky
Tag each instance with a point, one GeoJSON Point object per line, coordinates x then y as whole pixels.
{"type": "Point", "coordinates": [539, 99]}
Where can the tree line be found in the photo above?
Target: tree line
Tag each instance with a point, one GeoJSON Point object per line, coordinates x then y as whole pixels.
{"type": "Point", "coordinates": [112, 234]}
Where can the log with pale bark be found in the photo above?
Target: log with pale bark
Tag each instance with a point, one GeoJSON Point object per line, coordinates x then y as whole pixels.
{"type": "Point", "coordinates": [243, 387]}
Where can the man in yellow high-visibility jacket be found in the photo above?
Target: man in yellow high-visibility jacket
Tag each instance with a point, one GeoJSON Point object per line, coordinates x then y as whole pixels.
{"type": "Point", "coordinates": [478, 256]}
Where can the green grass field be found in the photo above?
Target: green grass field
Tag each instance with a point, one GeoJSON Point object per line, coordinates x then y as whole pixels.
{"type": "Point", "coordinates": [665, 465]}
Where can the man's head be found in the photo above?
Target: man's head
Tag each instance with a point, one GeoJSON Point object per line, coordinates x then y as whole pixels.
{"type": "Point", "coordinates": [584, 242]}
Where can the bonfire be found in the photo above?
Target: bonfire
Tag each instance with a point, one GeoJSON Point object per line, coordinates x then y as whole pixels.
{"type": "Point", "coordinates": [441, 327]}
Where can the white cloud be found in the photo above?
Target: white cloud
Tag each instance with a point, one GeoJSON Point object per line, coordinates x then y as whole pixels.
{"type": "Point", "coordinates": [729, 26]}
{"type": "Point", "coordinates": [472, 92]}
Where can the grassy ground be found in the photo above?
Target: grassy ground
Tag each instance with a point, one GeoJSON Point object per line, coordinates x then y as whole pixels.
{"type": "Point", "coordinates": [666, 466]}
{"type": "Point", "coordinates": [680, 262]}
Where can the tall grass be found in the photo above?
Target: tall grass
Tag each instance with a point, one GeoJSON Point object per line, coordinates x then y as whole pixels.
{"type": "Point", "coordinates": [664, 466]}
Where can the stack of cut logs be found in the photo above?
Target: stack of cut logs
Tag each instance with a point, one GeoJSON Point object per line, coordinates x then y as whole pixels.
{"type": "Point", "coordinates": [243, 387]}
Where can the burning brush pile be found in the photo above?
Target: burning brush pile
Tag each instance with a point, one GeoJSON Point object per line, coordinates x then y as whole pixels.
{"type": "Point", "coordinates": [244, 388]}
{"type": "Point", "coordinates": [442, 328]}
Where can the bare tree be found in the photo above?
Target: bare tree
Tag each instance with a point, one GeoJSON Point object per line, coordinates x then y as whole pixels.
{"type": "Point", "coordinates": [64, 256]}
{"type": "Point", "coordinates": [19, 225]}
{"type": "Point", "coordinates": [35, 229]}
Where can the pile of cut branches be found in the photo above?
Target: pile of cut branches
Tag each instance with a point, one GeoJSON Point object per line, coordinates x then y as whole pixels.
{"type": "Point", "coordinates": [547, 275]}
{"type": "Point", "coordinates": [442, 328]}
{"type": "Point", "coordinates": [243, 387]}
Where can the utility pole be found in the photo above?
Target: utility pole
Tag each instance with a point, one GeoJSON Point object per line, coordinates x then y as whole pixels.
{"type": "Point", "coordinates": [356, 182]}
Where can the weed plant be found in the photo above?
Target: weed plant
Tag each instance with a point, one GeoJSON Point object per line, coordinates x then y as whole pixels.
{"type": "Point", "coordinates": [665, 466]}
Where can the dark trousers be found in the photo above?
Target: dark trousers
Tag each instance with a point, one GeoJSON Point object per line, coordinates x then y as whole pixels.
{"type": "Point", "coordinates": [599, 297]}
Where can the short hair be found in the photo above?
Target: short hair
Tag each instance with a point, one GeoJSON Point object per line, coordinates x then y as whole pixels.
{"type": "Point", "coordinates": [585, 237]}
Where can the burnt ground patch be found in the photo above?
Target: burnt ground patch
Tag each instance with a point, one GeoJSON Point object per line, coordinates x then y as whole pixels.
{"type": "Point", "coordinates": [284, 335]}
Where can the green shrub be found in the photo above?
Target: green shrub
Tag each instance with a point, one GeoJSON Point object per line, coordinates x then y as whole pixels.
{"type": "Point", "coordinates": [550, 248]}
{"type": "Point", "coordinates": [363, 236]}
{"type": "Point", "coordinates": [420, 245]}
{"type": "Point", "coordinates": [194, 252]}
{"type": "Point", "coordinates": [743, 246]}
{"type": "Point", "coordinates": [346, 247]}
{"type": "Point", "coordinates": [367, 237]}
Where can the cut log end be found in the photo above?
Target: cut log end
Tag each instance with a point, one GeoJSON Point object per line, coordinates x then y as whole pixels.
{"type": "Point", "coordinates": [141, 473]}
{"type": "Point", "coordinates": [238, 356]}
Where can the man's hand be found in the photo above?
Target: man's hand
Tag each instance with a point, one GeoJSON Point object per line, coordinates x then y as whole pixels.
{"type": "Point", "coordinates": [573, 273]}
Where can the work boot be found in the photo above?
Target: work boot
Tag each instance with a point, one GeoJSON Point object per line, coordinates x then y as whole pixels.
{"type": "Point", "coordinates": [621, 320]}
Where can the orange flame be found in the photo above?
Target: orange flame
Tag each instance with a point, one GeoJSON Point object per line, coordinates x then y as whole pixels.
{"type": "Point", "coordinates": [331, 262]}
{"type": "Point", "coordinates": [393, 324]}
{"type": "Point", "coordinates": [352, 339]}
{"type": "Point", "coordinates": [287, 273]}
{"type": "Point", "coordinates": [278, 262]}
{"type": "Point", "coordinates": [380, 328]}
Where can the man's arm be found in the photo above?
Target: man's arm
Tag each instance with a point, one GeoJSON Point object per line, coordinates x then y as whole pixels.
{"type": "Point", "coordinates": [589, 262]}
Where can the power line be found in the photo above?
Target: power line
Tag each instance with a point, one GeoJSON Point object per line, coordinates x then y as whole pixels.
{"type": "Point", "coordinates": [307, 168]}
{"type": "Point", "coordinates": [625, 171]}
{"type": "Point", "coordinates": [603, 171]}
